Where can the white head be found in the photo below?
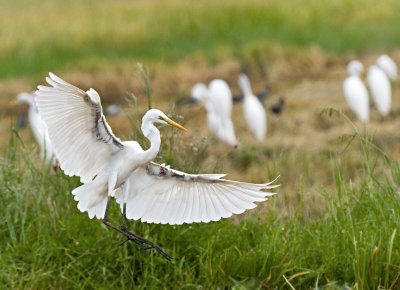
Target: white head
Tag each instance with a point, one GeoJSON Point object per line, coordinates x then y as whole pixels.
{"type": "Point", "coordinates": [156, 116]}
{"type": "Point", "coordinates": [387, 65]}
{"type": "Point", "coordinates": [354, 68]}
{"type": "Point", "coordinates": [26, 98]}
{"type": "Point", "coordinates": [199, 92]}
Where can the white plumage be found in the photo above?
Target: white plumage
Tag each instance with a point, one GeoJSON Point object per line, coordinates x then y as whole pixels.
{"type": "Point", "coordinates": [388, 66]}
{"type": "Point", "coordinates": [38, 127]}
{"type": "Point", "coordinates": [217, 99]}
{"type": "Point", "coordinates": [355, 92]}
{"type": "Point", "coordinates": [381, 92]}
{"type": "Point", "coordinates": [159, 194]}
{"type": "Point", "coordinates": [254, 112]}
{"type": "Point", "coordinates": [76, 124]}
{"type": "Point", "coordinates": [86, 147]}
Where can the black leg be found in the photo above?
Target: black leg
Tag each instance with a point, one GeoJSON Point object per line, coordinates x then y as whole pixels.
{"type": "Point", "coordinates": [145, 244]}
{"type": "Point", "coordinates": [123, 225]}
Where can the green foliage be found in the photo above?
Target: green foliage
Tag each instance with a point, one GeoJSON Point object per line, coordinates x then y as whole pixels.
{"type": "Point", "coordinates": [40, 38]}
{"type": "Point", "coordinates": [45, 242]}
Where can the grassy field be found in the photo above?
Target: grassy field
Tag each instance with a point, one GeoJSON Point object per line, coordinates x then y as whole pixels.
{"type": "Point", "coordinates": [354, 240]}
{"type": "Point", "coordinates": [335, 221]}
{"type": "Point", "coordinates": [61, 34]}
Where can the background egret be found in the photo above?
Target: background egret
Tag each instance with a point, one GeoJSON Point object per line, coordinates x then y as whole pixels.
{"type": "Point", "coordinates": [254, 112]}
{"type": "Point", "coordinates": [381, 91]}
{"type": "Point", "coordinates": [217, 99]}
{"type": "Point", "coordinates": [388, 66]}
{"type": "Point", "coordinates": [355, 92]}
{"type": "Point", "coordinates": [38, 127]}
{"type": "Point", "coordinates": [87, 147]}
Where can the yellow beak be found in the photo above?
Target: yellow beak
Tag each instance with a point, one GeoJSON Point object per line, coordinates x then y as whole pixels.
{"type": "Point", "coordinates": [172, 123]}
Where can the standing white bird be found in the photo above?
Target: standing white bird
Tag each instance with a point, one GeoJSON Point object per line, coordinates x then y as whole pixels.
{"type": "Point", "coordinates": [217, 99]}
{"type": "Point", "coordinates": [388, 66]}
{"type": "Point", "coordinates": [87, 147]}
{"type": "Point", "coordinates": [254, 112]}
{"type": "Point", "coordinates": [38, 127]}
{"type": "Point", "coordinates": [355, 92]}
{"type": "Point", "coordinates": [381, 91]}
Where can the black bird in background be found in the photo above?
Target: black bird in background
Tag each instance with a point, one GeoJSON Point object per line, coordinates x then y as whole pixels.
{"type": "Point", "coordinates": [278, 106]}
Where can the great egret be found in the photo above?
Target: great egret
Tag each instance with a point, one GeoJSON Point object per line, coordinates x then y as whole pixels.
{"type": "Point", "coordinates": [217, 99]}
{"type": "Point", "coordinates": [254, 112]}
{"type": "Point", "coordinates": [39, 128]}
{"type": "Point", "coordinates": [355, 92]}
{"type": "Point", "coordinates": [388, 66]}
{"type": "Point", "coordinates": [107, 166]}
{"type": "Point", "coordinates": [381, 92]}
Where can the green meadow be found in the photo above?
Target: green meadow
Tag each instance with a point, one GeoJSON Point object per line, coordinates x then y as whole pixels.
{"type": "Point", "coordinates": [36, 38]}
{"type": "Point", "coordinates": [334, 222]}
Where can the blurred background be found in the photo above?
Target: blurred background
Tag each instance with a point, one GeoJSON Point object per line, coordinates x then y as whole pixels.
{"type": "Point", "coordinates": [292, 50]}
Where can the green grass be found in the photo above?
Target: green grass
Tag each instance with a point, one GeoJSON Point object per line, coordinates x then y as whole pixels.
{"type": "Point", "coordinates": [59, 34]}
{"type": "Point", "coordinates": [45, 242]}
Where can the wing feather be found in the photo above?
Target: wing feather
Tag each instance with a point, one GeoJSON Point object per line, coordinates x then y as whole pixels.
{"type": "Point", "coordinates": [183, 205]}
{"type": "Point", "coordinates": [159, 194]}
{"type": "Point", "coordinates": [222, 204]}
{"type": "Point", "coordinates": [83, 141]}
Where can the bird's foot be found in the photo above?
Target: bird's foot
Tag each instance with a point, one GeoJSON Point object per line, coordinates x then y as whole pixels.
{"type": "Point", "coordinates": [144, 244]}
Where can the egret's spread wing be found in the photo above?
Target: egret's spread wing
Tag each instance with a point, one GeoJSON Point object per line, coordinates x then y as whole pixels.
{"type": "Point", "coordinates": [83, 141]}
{"type": "Point", "coordinates": [159, 194]}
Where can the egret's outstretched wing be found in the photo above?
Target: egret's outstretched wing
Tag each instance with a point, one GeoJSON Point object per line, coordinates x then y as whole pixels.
{"type": "Point", "coordinates": [83, 141]}
{"type": "Point", "coordinates": [159, 194]}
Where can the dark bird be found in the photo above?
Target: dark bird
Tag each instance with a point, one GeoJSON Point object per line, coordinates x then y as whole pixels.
{"type": "Point", "coordinates": [278, 106]}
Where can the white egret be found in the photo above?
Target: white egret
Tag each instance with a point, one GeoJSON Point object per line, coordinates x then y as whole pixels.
{"type": "Point", "coordinates": [217, 99]}
{"type": "Point", "coordinates": [388, 66]}
{"type": "Point", "coordinates": [254, 112]}
{"type": "Point", "coordinates": [86, 146]}
{"type": "Point", "coordinates": [381, 91]}
{"type": "Point", "coordinates": [355, 92]}
{"type": "Point", "coordinates": [38, 127]}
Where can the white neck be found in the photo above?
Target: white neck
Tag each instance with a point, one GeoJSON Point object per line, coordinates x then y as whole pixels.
{"type": "Point", "coordinates": [244, 84]}
{"type": "Point", "coordinates": [153, 135]}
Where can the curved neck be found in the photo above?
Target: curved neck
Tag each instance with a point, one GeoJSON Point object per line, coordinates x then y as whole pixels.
{"type": "Point", "coordinates": [153, 135]}
{"type": "Point", "coordinates": [244, 84]}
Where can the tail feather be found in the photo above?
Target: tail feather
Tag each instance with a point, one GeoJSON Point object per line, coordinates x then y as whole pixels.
{"type": "Point", "coordinates": [92, 198]}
